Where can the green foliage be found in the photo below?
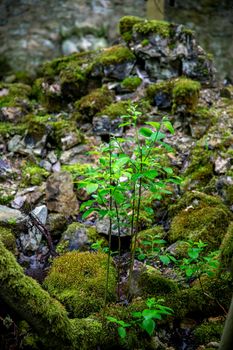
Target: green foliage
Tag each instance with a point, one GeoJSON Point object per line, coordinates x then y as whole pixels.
{"type": "Point", "coordinates": [145, 319]}
{"type": "Point", "coordinates": [196, 263]}
{"type": "Point", "coordinates": [124, 175]}
{"type": "Point", "coordinates": [33, 174]}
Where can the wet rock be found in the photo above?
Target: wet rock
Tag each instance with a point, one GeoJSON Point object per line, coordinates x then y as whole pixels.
{"type": "Point", "coordinates": [31, 241]}
{"type": "Point", "coordinates": [60, 196]}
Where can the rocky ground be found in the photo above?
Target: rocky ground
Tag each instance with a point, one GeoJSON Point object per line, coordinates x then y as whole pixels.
{"type": "Point", "coordinates": [49, 134]}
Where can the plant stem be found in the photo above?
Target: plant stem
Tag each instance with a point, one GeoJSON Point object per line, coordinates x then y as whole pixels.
{"type": "Point", "coordinates": [119, 251]}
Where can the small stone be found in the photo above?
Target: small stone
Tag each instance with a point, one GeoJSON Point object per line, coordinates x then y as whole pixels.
{"type": "Point", "coordinates": [46, 165]}
{"type": "Point", "coordinates": [221, 165]}
{"type": "Point", "coordinates": [8, 215]}
{"type": "Point", "coordinates": [56, 167]}
{"type": "Point", "coordinates": [52, 158]}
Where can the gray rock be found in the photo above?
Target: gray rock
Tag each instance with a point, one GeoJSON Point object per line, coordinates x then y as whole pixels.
{"type": "Point", "coordinates": [15, 143]}
{"type": "Point", "coordinates": [31, 241]}
{"type": "Point", "coordinates": [8, 215]}
{"type": "Point", "coordinates": [104, 125]}
{"type": "Point", "coordinates": [221, 165]}
{"type": "Point", "coordinates": [60, 196]}
{"type": "Point", "coordinates": [52, 158]}
{"type": "Point", "coordinates": [46, 165]}
{"type": "Point", "coordinates": [11, 114]}
{"type": "Point", "coordinates": [70, 156]}
{"type": "Point", "coordinates": [70, 140]}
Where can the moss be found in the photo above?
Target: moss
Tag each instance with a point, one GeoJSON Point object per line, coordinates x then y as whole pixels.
{"type": "Point", "coordinates": [200, 217]}
{"type": "Point", "coordinates": [92, 103]}
{"type": "Point", "coordinates": [164, 88]}
{"type": "Point", "coordinates": [13, 94]}
{"type": "Point", "coordinates": [208, 332]}
{"type": "Point", "coordinates": [8, 239]}
{"type": "Point", "coordinates": [115, 110]}
{"type": "Point", "coordinates": [33, 174]}
{"type": "Point", "coordinates": [145, 42]}
{"type": "Point", "coordinates": [78, 280]}
{"type": "Point", "coordinates": [199, 178]}
{"type": "Point", "coordinates": [152, 282]}
{"type": "Point", "coordinates": [185, 92]}
{"type": "Point", "coordinates": [5, 199]}
{"type": "Point", "coordinates": [153, 26]}
{"type": "Point", "coordinates": [131, 83]}
{"type": "Point", "coordinates": [126, 26]}
{"type": "Point", "coordinates": [115, 55]}
{"type": "Point", "coordinates": [226, 247]}
{"type": "Point", "coordinates": [56, 127]}
{"type": "Point", "coordinates": [76, 169]}
{"type": "Point", "coordinates": [203, 300]}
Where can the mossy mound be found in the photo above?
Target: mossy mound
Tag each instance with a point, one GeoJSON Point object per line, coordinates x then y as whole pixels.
{"type": "Point", "coordinates": [160, 94]}
{"type": "Point", "coordinates": [226, 247]}
{"type": "Point", "coordinates": [199, 217]}
{"type": "Point", "coordinates": [131, 83]}
{"type": "Point", "coordinates": [13, 94]}
{"type": "Point", "coordinates": [78, 280]}
{"type": "Point", "coordinates": [205, 300]}
{"type": "Point", "coordinates": [185, 95]}
{"type": "Point", "coordinates": [115, 110]}
{"type": "Point", "coordinates": [92, 103]}
{"type": "Point", "coordinates": [152, 282]}
{"type": "Point", "coordinates": [129, 25]}
{"type": "Point", "coordinates": [115, 55]}
{"type": "Point", "coordinates": [8, 239]}
{"type": "Point", "coordinates": [208, 332]}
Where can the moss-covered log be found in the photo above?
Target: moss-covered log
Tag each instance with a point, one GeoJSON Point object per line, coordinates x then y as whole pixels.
{"type": "Point", "coordinates": [46, 315]}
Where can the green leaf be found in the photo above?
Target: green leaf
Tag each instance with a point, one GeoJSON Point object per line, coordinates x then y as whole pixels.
{"type": "Point", "coordinates": [157, 136]}
{"type": "Point", "coordinates": [165, 259]}
{"type": "Point", "coordinates": [193, 253]}
{"type": "Point", "coordinates": [90, 188]}
{"type": "Point", "coordinates": [155, 125]}
{"type": "Point", "coordinates": [168, 170]}
{"type": "Point", "coordinates": [148, 325]}
{"type": "Point", "coordinates": [147, 313]}
{"type": "Point", "coordinates": [145, 132]}
{"type": "Point", "coordinates": [86, 204]}
{"type": "Point", "coordinates": [137, 314]}
{"type": "Point", "coordinates": [88, 212]}
{"type": "Point", "coordinates": [169, 126]}
{"type": "Point", "coordinates": [151, 174]}
{"type": "Point", "coordinates": [121, 332]}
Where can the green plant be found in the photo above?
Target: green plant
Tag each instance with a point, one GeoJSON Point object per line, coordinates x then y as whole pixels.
{"type": "Point", "coordinates": [125, 174]}
{"type": "Point", "coordinates": [98, 246]}
{"type": "Point", "coordinates": [196, 264]}
{"type": "Point", "coordinates": [151, 248]}
{"type": "Point", "coordinates": [145, 319]}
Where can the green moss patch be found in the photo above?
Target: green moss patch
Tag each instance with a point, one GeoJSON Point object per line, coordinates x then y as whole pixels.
{"type": "Point", "coordinates": [126, 26]}
{"type": "Point", "coordinates": [131, 83]}
{"type": "Point", "coordinates": [33, 174]}
{"type": "Point", "coordinates": [115, 110]}
{"type": "Point", "coordinates": [199, 216]}
{"type": "Point", "coordinates": [78, 280]}
{"type": "Point", "coordinates": [185, 92]}
{"type": "Point", "coordinates": [8, 239]}
{"type": "Point", "coordinates": [115, 55]}
{"type": "Point", "coordinates": [208, 332]}
{"type": "Point", "coordinates": [92, 103]}
{"type": "Point", "coordinates": [12, 94]}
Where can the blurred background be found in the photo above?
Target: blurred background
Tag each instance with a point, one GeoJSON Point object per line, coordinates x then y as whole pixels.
{"type": "Point", "coordinates": [34, 31]}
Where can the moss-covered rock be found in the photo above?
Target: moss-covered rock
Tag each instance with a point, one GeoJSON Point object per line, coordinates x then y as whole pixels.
{"type": "Point", "coordinates": [115, 55]}
{"type": "Point", "coordinates": [55, 128]}
{"type": "Point", "coordinates": [115, 110]}
{"type": "Point", "coordinates": [78, 280]}
{"type": "Point", "coordinates": [185, 95]}
{"type": "Point", "coordinates": [208, 332]}
{"type": "Point", "coordinates": [13, 94]}
{"type": "Point", "coordinates": [152, 282]}
{"type": "Point", "coordinates": [160, 94]}
{"type": "Point", "coordinates": [126, 26]}
{"type": "Point", "coordinates": [78, 237]}
{"type": "Point", "coordinates": [226, 247]}
{"type": "Point", "coordinates": [8, 239]}
{"type": "Point", "coordinates": [199, 216]}
{"type": "Point", "coordinates": [131, 83]}
{"type": "Point", "coordinates": [33, 174]}
{"type": "Point", "coordinates": [93, 103]}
